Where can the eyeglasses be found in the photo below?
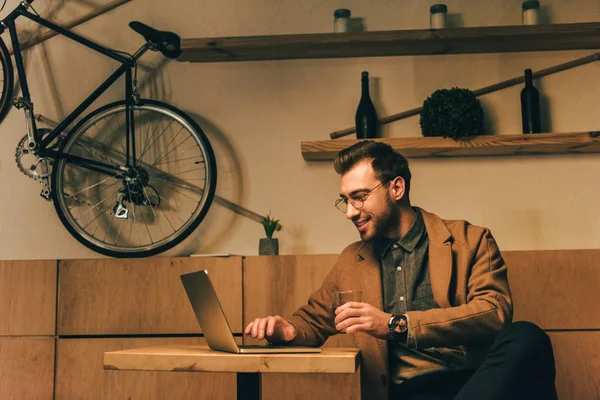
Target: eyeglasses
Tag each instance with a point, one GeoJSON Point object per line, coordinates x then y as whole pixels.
{"type": "Point", "coordinates": [357, 201]}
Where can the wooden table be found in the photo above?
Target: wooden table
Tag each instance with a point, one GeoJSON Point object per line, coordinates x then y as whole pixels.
{"type": "Point", "coordinates": [248, 367]}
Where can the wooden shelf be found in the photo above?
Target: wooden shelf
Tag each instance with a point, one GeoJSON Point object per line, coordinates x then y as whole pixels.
{"type": "Point", "coordinates": [493, 39]}
{"type": "Point", "coordinates": [545, 143]}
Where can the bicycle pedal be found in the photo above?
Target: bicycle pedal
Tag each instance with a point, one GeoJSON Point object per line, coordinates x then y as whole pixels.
{"type": "Point", "coordinates": [46, 194]}
{"type": "Point", "coordinates": [120, 211]}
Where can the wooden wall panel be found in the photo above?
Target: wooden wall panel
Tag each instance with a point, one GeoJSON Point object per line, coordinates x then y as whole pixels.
{"type": "Point", "coordinates": [141, 296]}
{"type": "Point", "coordinates": [80, 374]}
{"type": "Point", "coordinates": [26, 368]}
{"type": "Point", "coordinates": [577, 356]}
{"type": "Point", "coordinates": [311, 386]}
{"type": "Point", "coordinates": [279, 285]}
{"type": "Point", "coordinates": [563, 281]}
{"type": "Point", "coordinates": [556, 289]}
{"type": "Point", "coordinates": [28, 297]}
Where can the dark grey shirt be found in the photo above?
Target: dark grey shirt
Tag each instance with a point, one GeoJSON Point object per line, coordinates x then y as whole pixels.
{"type": "Point", "coordinates": [405, 271]}
{"type": "Point", "coordinates": [407, 287]}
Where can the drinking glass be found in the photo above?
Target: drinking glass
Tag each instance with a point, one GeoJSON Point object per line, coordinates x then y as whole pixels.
{"type": "Point", "coordinates": [343, 297]}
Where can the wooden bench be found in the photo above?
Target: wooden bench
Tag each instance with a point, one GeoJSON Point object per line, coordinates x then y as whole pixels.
{"type": "Point", "coordinates": [60, 317]}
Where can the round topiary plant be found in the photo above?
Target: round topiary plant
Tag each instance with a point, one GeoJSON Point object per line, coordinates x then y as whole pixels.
{"type": "Point", "coordinates": [453, 113]}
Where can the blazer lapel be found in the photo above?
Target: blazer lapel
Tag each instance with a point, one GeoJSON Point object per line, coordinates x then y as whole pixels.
{"type": "Point", "coordinates": [440, 257]}
{"type": "Point", "coordinates": [369, 271]}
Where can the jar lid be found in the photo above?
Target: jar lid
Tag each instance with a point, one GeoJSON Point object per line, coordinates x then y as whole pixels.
{"type": "Point", "coordinates": [531, 5]}
{"type": "Point", "coordinates": [341, 13]}
{"type": "Point", "coordinates": [438, 8]}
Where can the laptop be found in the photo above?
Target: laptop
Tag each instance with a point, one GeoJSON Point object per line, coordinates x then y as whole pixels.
{"type": "Point", "coordinates": [215, 327]}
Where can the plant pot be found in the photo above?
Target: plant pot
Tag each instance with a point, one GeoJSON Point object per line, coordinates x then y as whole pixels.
{"type": "Point", "coordinates": [268, 247]}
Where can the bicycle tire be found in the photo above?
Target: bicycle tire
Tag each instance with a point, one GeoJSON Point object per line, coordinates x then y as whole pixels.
{"type": "Point", "coordinates": [8, 80]}
{"type": "Point", "coordinates": [155, 189]}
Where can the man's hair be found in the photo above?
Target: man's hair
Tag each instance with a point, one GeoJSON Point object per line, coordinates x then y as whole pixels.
{"type": "Point", "coordinates": [386, 163]}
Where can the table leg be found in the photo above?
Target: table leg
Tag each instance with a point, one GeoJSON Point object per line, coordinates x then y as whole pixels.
{"type": "Point", "coordinates": [248, 386]}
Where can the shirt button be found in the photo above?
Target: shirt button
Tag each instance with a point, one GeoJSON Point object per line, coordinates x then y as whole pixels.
{"type": "Point", "coordinates": [395, 245]}
{"type": "Point", "coordinates": [399, 268]}
{"type": "Point", "coordinates": [401, 298]}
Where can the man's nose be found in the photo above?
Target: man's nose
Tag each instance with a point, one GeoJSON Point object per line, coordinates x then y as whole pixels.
{"type": "Point", "coordinates": [351, 211]}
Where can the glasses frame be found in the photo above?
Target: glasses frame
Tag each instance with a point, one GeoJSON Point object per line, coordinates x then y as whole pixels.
{"type": "Point", "coordinates": [359, 202]}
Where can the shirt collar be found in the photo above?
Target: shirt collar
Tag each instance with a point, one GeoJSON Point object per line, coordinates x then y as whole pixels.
{"type": "Point", "coordinates": [408, 242]}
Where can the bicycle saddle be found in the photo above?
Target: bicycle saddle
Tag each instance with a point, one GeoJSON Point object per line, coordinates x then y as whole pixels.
{"type": "Point", "coordinates": [167, 43]}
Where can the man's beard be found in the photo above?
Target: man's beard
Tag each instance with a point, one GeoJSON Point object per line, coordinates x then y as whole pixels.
{"type": "Point", "coordinates": [386, 222]}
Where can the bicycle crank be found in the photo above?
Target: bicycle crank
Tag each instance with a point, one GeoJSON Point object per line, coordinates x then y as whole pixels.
{"type": "Point", "coordinates": [33, 166]}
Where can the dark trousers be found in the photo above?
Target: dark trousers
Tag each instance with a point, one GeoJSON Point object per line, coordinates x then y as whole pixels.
{"type": "Point", "coordinates": [519, 365]}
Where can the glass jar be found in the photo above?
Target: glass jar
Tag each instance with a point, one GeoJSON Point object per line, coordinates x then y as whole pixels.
{"type": "Point", "coordinates": [341, 20]}
{"type": "Point", "coordinates": [531, 13]}
{"type": "Point", "coordinates": [437, 16]}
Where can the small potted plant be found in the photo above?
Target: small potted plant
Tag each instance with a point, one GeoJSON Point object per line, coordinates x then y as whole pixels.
{"type": "Point", "coordinates": [269, 246]}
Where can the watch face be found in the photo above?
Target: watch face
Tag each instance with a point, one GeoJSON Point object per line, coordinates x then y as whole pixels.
{"type": "Point", "coordinates": [401, 326]}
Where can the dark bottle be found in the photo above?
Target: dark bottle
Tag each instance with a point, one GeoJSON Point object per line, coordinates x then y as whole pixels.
{"type": "Point", "coordinates": [530, 106]}
{"type": "Point", "coordinates": [366, 117]}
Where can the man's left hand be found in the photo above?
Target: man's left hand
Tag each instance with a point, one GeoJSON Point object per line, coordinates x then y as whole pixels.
{"type": "Point", "coordinates": [356, 317]}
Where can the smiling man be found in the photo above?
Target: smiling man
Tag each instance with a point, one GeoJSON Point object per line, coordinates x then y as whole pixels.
{"type": "Point", "coordinates": [435, 321]}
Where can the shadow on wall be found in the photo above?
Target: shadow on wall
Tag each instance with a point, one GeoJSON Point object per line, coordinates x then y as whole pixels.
{"type": "Point", "coordinates": [545, 106]}
{"type": "Point", "coordinates": [490, 124]}
{"type": "Point", "coordinates": [28, 35]}
{"type": "Point", "coordinates": [229, 179]}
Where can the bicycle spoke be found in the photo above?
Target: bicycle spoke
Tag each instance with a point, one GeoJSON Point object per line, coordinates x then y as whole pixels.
{"type": "Point", "coordinates": [96, 184]}
{"type": "Point", "coordinates": [150, 137]}
{"type": "Point", "coordinates": [95, 206]}
{"type": "Point", "coordinates": [166, 154]}
{"type": "Point", "coordinates": [183, 159]}
{"type": "Point", "coordinates": [111, 129]}
{"type": "Point", "coordinates": [153, 213]}
{"type": "Point", "coordinates": [183, 194]}
{"type": "Point", "coordinates": [97, 216]}
{"type": "Point", "coordinates": [184, 151]}
{"type": "Point", "coordinates": [147, 229]}
{"type": "Point", "coordinates": [158, 137]}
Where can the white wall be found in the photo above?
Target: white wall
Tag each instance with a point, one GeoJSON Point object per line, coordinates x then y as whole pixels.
{"type": "Point", "coordinates": [257, 113]}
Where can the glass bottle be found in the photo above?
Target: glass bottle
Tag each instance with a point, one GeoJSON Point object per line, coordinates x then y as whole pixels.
{"type": "Point", "coordinates": [530, 106]}
{"type": "Point", "coordinates": [437, 16]}
{"type": "Point", "coordinates": [531, 12]}
{"type": "Point", "coordinates": [341, 20]}
{"type": "Point", "coordinates": [366, 116]}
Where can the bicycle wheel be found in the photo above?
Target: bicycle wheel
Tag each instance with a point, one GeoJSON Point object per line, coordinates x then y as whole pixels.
{"type": "Point", "coordinates": [7, 84]}
{"type": "Point", "coordinates": [148, 208]}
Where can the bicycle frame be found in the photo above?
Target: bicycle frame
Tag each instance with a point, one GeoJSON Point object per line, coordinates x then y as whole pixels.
{"type": "Point", "coordinates": [40, 144]}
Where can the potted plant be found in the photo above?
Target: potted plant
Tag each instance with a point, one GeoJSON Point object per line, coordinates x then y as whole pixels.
{"type": "Point", "coordinates": [455, 113]}
{"type": "Point", "coordinates": [269, 246]}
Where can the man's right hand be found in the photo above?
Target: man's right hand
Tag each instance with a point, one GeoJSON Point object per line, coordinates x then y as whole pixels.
{"type": "Point", "coordinates": [273, 328]}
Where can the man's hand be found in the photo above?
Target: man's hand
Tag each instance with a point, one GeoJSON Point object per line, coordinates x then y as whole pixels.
{"type": "Point", "coordinates": [356, 317]}
{"type": "Point", "coordinates": [273, 328]}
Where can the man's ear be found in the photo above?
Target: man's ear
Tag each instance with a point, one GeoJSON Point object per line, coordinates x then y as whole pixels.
{"type": "Point", "coordinates": [398, 188]}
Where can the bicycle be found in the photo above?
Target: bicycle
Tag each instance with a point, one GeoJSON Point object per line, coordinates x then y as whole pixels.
{"type": "Point", "coordinates": [132, 178]}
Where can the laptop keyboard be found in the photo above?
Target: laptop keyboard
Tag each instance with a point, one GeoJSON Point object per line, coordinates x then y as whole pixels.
{"type": "Point", "coordinates": [263, 346]}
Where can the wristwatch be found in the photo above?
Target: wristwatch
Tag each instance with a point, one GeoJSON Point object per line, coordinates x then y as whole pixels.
{"type": "Point", "coordinates": [398, 326]}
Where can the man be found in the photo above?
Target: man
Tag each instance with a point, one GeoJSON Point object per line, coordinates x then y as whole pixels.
{"type": "Point", "coordinates": [435, 321]}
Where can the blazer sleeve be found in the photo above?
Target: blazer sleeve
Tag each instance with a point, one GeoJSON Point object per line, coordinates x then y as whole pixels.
{"type": "Point", "coordinates": [488, 308]}
{"type": "Point", "coordinates": [314, 321]}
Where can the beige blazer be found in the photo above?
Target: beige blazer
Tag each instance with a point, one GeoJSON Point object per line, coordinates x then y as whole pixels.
{"type": "Point", "coordinates": [469, 283]}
